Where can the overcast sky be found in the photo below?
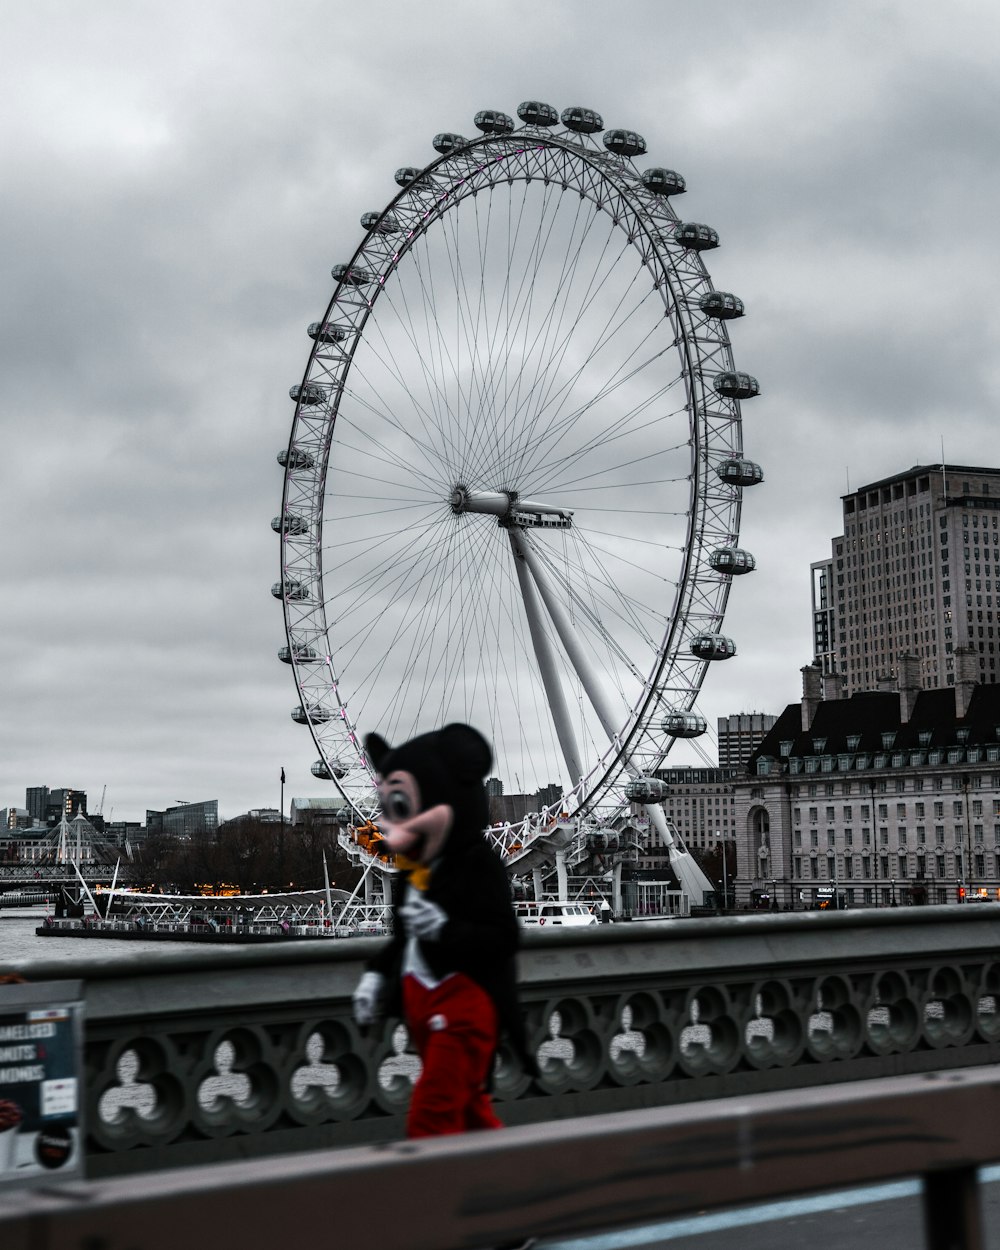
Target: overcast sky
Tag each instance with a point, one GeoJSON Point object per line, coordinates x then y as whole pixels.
{"type": "Point", "coordinates": [179, 177]}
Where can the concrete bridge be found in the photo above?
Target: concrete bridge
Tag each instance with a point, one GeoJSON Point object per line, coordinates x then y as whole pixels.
{"type": "Point", "coordinates": [836, 1026]}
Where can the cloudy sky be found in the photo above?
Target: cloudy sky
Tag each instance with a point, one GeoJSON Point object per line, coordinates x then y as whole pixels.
{"type": "Point", "coordinates": [178, 179]}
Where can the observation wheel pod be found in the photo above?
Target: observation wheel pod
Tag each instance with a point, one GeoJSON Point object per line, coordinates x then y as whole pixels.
{"type": "Point", "coordinates": [712, 647]}
{"type": "Point", "coordinates": [446, 142]}
{"type": "Point", "coordinates": [295, 460]}
{"type": "Point", "coordinates": [311, 714]}
{"type": "Point", "coordinates": [430, 449]}
{"type": "Point", "coordinates": [663, 182]}
{"type": "Point", "coordinates": [583, 121]}
{"type": "Point", "coordinates": [721, 304]}
{"type": "Point", "coordinates": [308, 394]}
{"type": "Point", "coordinates": [739, 472]}
{"type": "Point", "coordinates": [646, 790]}
{"type": "Point", "coordinates": [408, 174]}
{"type": "Point", "coordinates": [289, 523]}
{"type": "Point", "coordinates": [732, 560]}
{"type": "Point", "coordinates": [334, 771]}
{"type": "Point", "coordinates": [324, 332]}
{"type": "Point", "coordinates": [351, 276]}
{"type": "Point", "coordinates": [624, 142]}
{"type": "Point", "coordinates": [696, 236]}
{"type": "Point", "coordinates": [535, 113]}
{"type": "Point", "coordinates": [735, 385]}
{"type": "Point", "coordinates": [684, 725]}
{"type": "Point", "coordinates": [290, 589]}
{"type": "Point", "coordinates": [383, 223]}
{"type": "Point", "coordinates": [298, 654]}
{"type": "Point", "coordinates": [493, 122]}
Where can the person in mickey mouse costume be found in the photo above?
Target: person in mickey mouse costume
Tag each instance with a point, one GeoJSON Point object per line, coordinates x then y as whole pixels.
{"type": "Point", "coordinates": [449, 966]}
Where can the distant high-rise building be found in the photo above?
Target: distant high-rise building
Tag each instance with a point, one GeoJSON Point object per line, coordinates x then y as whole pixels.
{"type": "Point", "coordinates": [65, 802]}
{"type": "Point", "coordinates": [916, 571]}
{"type": "Point", "coordinates": [740, 735]}
{"type": "Point", "coordinates": [36, 800]}
{"type": "Point", "coordinates": [186, 820]}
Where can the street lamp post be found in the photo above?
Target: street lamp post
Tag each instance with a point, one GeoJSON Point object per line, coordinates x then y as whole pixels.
{"type": "Point", "coordinates": [893, 903]}
{"type": "Point", "coordinates": [721, 842]}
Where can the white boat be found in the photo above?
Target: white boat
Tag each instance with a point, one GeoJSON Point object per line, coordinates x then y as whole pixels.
{"type": "Point", "coordinates": [557, 912]}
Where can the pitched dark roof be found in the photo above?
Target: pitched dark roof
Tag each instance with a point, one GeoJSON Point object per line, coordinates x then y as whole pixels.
{"type": "Point", "coordinates": [870, 714]}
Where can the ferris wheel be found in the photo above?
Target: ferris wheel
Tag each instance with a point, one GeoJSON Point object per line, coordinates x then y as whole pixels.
{"type": "Point", "coordinates": [513, 481]}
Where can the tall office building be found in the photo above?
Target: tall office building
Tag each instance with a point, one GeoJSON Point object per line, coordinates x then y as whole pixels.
{"type": "Point", "coordinates": [740, 735]}
{"type": "Point", "coordinates": [916, 571]}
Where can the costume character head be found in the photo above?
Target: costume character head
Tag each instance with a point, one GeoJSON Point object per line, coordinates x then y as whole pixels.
{"type": "Point", "coordinates": [431, 791]}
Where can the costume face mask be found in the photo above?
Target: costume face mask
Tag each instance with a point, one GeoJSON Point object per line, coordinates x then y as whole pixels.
{"type": "Point", "coordinates": [408, 829]}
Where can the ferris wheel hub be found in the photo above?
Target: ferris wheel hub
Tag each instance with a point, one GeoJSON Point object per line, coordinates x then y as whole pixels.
{"type": "Point", "coordinates": [510, 509]}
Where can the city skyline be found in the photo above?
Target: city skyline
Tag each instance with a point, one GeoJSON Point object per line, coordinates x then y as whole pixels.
{"type": "Point", "coordinates": [170, 233]}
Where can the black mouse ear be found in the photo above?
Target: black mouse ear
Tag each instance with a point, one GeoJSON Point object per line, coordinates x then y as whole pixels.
{"type": "Point", "coordinates": [377, 749]}
{"type": "Point", "coordinates": [467, 751]}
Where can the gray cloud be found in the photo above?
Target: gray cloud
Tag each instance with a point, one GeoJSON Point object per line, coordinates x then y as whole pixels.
{"type": "Point", "coordinates": [179, 179]}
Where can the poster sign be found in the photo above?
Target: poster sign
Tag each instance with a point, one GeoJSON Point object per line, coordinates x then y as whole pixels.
{"type": "Point", "coordinates": [41, 1085]}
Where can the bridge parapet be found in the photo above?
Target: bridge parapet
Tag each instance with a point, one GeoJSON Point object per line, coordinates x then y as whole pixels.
{"type": "Point", "coordinates": [198, 1055]}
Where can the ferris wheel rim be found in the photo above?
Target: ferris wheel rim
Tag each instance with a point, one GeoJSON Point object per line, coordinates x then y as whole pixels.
{"type": "Point", "coordinates": [619, 179]}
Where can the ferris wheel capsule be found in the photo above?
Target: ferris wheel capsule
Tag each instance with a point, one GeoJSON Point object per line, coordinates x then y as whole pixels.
{"type": "Point", "coordinates": [646, 790]}
{"type": "Point", "coordinates": [381, 223]}
{"type": "Point", "coordinates": [735, 471]}
{"type": "Point", "coordinates": [583, 121]}
{"type": "Point", "coordinates": [295, 459]}
{"type": "Point", "coordinates": [352, 276]}
{"type": "Point", "coordinates": [732, 560]}
{"type": "Point", "coordinates": [290, 589]}
{"type": "Point", "coordinates": [493, 122]}
{"type": "Point", "coordinates": [624, 142]}
{"type": "Point", "coordinates": [712, 647]}
{"type": "Point", "coordinates": [535, 113]}
{"type": "Point", "coordinates": [663, 182]}
{"type": "Point", "coordinates": [696, 236]}
{"type": "Point", "coordinates": [735, 385]}
{"type": "Point", "coordinates": [314, 713]}
{"type": "Point", "coordinates": [407, 174]}
{"type": "Point", "coordinates": [324, 332]}
{"type": "Point", "coordinates": [299, 653]}
{"type": "Point", "coordinates": [328, 772]}
{"type": "Point", "coordinates": [446, 142]}
{"type": "Point", "coordinates": [722, 305]}
{"type": "Point", "coordinates": [290, 523]}
{"type": "Point", "coordinates": [684, 724]}
{"type": "Point", "coordinates": [308, 394]}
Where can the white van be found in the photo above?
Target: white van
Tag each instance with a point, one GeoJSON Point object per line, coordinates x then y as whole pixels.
{"type": "Point", "coordinates": [556, 913]}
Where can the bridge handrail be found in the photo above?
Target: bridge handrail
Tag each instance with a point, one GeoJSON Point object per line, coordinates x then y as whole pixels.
{"type": "Point", "coordinates": [196, 1054]}
{"type": "Point", "coordinates": [571, 1177]}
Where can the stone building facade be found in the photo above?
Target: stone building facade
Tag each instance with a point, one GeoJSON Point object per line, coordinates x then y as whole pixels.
{"type": "Point", "coordinates": [886, 798]}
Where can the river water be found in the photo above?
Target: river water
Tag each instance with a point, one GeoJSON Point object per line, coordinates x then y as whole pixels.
{"type": "Point", "coordinates": [19, 942]}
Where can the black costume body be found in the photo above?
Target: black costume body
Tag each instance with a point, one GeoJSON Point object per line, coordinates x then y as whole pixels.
{"type": "Point", "coordinates": [466, 879]}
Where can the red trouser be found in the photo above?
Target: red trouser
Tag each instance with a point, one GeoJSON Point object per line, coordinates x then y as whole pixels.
{"type": "Point", "coordinates": [454, 1030]}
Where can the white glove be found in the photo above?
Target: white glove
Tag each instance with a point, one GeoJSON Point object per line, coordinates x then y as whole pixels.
{"type": "Point", "coordinates": [367, 1001]}
{"type": "Point", "coordinates": [422, 918]}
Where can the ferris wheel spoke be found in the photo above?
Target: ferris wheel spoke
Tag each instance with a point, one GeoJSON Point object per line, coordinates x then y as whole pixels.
{"type": "Point", "coordinates": [558, 424]}
{"type": "Point", "coordinates": [554, 342]}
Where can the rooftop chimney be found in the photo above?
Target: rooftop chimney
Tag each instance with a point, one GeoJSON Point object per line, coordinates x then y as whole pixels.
{"type": "Point", "coordinates": [812, 693]}
{"type": "Point", "coordinates": [966, 678]}
{"type": "Point", "coordinates": [832, 686]}
{"type": "Point", "coordinates": [909, 685]}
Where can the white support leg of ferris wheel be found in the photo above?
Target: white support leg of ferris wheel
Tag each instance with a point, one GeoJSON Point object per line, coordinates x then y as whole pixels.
{"type": "Point", "coordinates": [546, 664]}
{"type": "Point", "coordinates": [569, 639]}
{"type": "Point", "coordinates": [693, 881]}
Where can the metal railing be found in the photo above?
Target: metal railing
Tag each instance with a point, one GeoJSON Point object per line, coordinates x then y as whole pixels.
{"type": "Point", "coordinates": [196, 1055]}
{"type": "Point", "coordinates": [566, 1178]}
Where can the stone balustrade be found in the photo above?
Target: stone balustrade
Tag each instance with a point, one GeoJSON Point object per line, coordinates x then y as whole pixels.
{"type": "Point", "coordinates": [198, 1055]}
